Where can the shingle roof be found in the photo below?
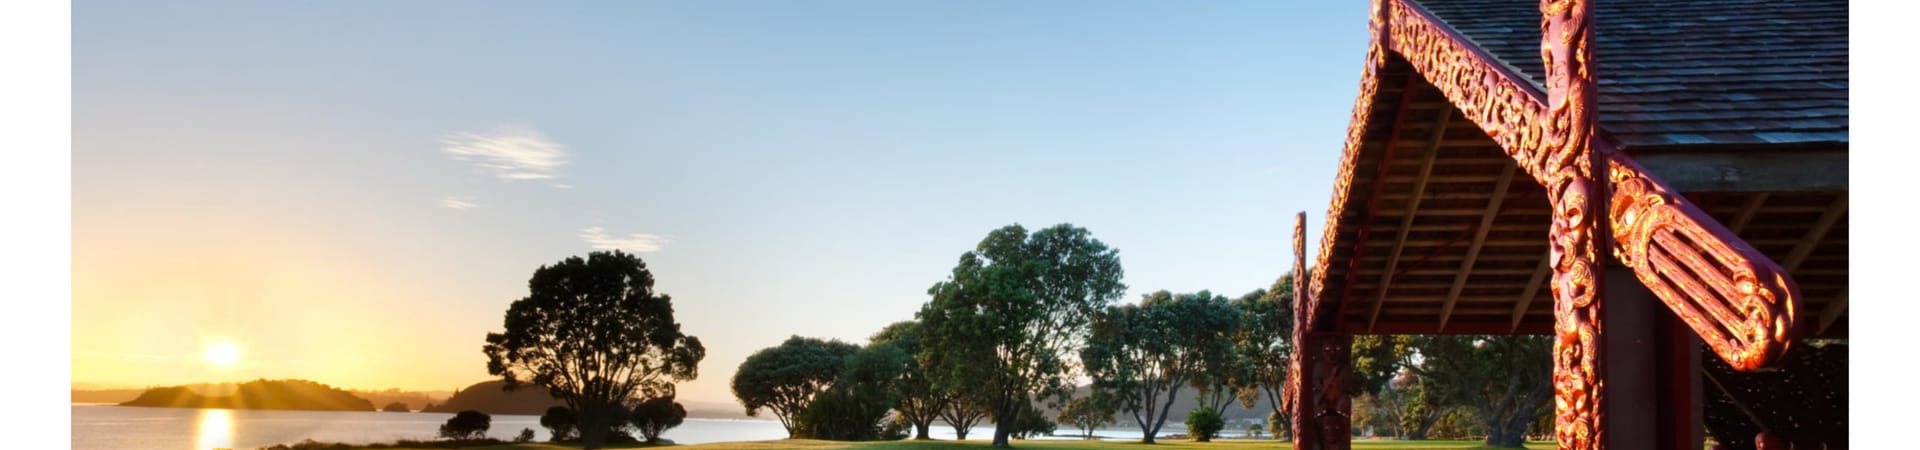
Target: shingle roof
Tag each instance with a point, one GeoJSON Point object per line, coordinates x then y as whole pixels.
{"type": "Point", "coordinates": [1692, 72]}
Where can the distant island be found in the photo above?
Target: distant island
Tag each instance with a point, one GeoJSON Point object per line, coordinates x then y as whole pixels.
{"type": "Point", "coordinates": [489, 397]}
{"type": "Point", "coordinates": [257, 394]}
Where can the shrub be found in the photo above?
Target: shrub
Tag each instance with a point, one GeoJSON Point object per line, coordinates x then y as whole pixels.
{"type": "Point", "coordinates": [469, 424]}
{"type": "Point", "coordinates": [1204, 424]}
{"type": "Point", "coordinates": [655, 416]}
{"type": "Point", "coordinates": [1032, 422]}
{"type": "Point", "coordinates": [526, 435]}
{"type": "Point", "coordinates": [561, 424]}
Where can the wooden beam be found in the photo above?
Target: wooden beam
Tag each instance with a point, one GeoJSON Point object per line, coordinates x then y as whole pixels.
{"type": "Point", "coordinates": [1479, 238]}
{"type": "Point", "coordinates": [1747, 211]}
{"type": "Point", "coordinates": [1815, 234]}
{"type": "Point", "coordinates": [1743, 170]}
{"type": "Point", "coordinates": [1533, 288]}
{"type": "Point", "coordinates": [1832, 312]}
{"type": "Point", "coordinates": [1413, 206]}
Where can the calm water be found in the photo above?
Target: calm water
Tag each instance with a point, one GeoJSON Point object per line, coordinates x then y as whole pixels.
{"type": "Point", "coordinates": [105, 427]}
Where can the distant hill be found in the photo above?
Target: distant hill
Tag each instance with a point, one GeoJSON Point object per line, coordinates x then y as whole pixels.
{"type": "Point", "coordinates": [257, 394]}
{"type": "Point", "coordinates": [488, 397]}
{"type": "Point", "coordinates": [104, 395]}
{"type": "Point", "coordinates": [415, 400]}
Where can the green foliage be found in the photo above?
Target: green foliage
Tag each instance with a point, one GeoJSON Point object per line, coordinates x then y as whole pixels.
{"type": "Point", "coordinates": [595, 334]}
{"type": "Point", "coordinates": [560, 423]}
{"type": "Point", "coordinates": [1141, 354]}
{"type": "Point", "coordinates": [855, 407]}
{"type": "Point", "coordinates": [466, 425]}
{"type": "Point", "coordinates": [1411, 406]}
{"type": "Point", "coordinates": [1506, 382]}
{"type": "Point", "coordinates": [655, 416]}
{"type": "Point", "coordinates": [1203, 424]}
{"type": "Point", "coordinates": [1088, 413]}
{"type": "Point", "coordinates": [1032, 422]}
{"type": "Point", "coordinates": [1007, 318]}
{"type": "Point", "coordinates": [917, 402]}
{"type": "Point", "coordinates": [1265, 342]}
{"type": "Point", "coordinates": [785, 378]}
{"type": "Point", "coordinates": [1280, 424]}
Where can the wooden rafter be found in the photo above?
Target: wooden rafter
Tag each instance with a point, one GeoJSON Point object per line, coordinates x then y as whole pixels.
{"type": "Point", "coordinates": [1479, 239]}
{"type": "Point", "coordinates": [1533, 289]}
{"type": "Point", "coordinates": [1413, 207]}
{"type": "Point", "coordinates": [1747, 212]}
{"type": "Point", "coordinates": [1815, 234]}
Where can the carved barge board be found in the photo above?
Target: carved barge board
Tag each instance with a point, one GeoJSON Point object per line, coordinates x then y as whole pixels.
{"type": "Point", "coordinates": [1741, 303]}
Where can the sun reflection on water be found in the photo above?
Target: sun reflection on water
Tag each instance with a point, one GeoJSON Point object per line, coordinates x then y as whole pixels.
{"type": "Point", "coordinates": [214, 430]}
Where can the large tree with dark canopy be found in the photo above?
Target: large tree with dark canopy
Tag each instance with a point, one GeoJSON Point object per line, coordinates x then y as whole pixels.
{"type": "Point", "coordinates": [1142, 354]}
{"type": "Point", "coordinates": [1505, 381]}
{"type": "Point", "coordinates": [596, 335]}
{"type": "Point", "coordinates": [1008, 319]}
{"type": "Point", "coordinates": [785, 378]}
{"type": "Point", "coordinates": [916, 399]}
{"type": "Point", "coordinates": [1265, 342]}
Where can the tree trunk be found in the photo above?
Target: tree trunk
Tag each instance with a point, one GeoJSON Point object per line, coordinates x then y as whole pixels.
{"type": "Point", "coordinates": [593, 431]}
{"type": "Point", "coordinates": [1508, 438]}
{"type": "Point", "coordinates": [1007, 416]}
{"type": "Point", "coordinates": [960, 432]}
{"type": "Point", "coordinates": [920, 430]}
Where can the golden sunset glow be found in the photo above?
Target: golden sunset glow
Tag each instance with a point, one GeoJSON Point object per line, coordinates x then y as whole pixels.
{"type": "Point", "coordinates": [223, 354]}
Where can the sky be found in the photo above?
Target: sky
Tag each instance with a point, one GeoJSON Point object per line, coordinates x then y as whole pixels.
{"type": "Point", "coordinates": [353, 192]}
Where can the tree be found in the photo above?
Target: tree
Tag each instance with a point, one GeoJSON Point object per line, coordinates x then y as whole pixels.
{"type": "Point", "coordinates": [1504, 381]}
{"type": "Point", "coordinates": [1265, 342]}
{"type": "Point", "coordinates": [785, 378]}
{"type": "Point", "coordinates": [1088, 413]}
{"type": "Point", "coordinates": [963, 411]}
{"type": "Point", "coordinates": [1411, 406]}
{"type": "Point", "coordinates": [917, 400]}
{"type": "Point", "coordinates": [596, 335]}
{"type": "Point", "coordinates": [655, 416]}
{"type": "Point", "coordinates": [560, 424]}
{"type": "Point", "coordinates": [1007, 319]}
{"type": "Point", "coordinates": [855, 407]}
{"type": "Point", "coordinates": [526, 435]}
{"type": "Point", "coordinates": [466, 425]}
{"type": "Point", "coordinates": [1142, 354]}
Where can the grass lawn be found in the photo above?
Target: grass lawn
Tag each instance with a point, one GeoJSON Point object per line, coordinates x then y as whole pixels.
{"type": "Point", "coordinates": [981, 444]}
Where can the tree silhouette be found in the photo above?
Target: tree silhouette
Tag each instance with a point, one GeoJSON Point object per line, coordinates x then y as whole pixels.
{"type": "Point", "coordinates": [595, 334]}
{"type": "Point", "coordinates": [466, 425]}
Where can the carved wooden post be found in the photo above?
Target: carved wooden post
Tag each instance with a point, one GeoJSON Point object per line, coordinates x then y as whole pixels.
{"type": "Point", "coordinates": [1577, 183]}
{"type": "Point", "coordinates": [1322, 361]}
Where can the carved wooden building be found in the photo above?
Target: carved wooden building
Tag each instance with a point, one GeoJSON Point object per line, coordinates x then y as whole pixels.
{"type": "Point", "coordinates": [1637, 178]}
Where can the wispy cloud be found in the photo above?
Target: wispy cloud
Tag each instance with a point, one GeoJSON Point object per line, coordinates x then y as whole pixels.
{"type": "Point", "coordinates": [458, 203]}
{"type": "Point", "coordinates": [637, 242]}
{"type": "Point", "coordinates": [510, 152]}
{"type": "Point", "coordinates": [562, 186]}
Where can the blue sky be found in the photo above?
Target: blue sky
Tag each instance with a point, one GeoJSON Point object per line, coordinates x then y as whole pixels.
{"type": "Point", "coordinates": [273, 174]}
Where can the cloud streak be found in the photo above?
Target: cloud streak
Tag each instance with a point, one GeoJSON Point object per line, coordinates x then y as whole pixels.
{"type": "Point", "coordinates": [638, 242]}
{"type": "Point", "coordinates": [457, 203]}
{"type": "Point", "coordinates": [512, 153]}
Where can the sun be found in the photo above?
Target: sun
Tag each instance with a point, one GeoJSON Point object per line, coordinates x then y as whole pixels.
{"type": "Point", "coordinates": [223, 354]}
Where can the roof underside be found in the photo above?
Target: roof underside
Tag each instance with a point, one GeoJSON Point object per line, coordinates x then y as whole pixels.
{"type": "Point", "coordinates": [1439, 255]}
{"type": "Point", "coordinates": [1724, 72]}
